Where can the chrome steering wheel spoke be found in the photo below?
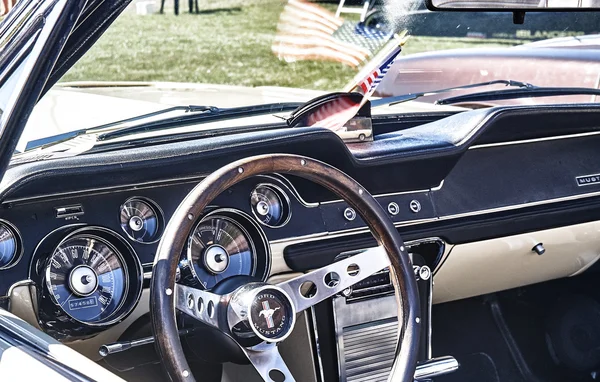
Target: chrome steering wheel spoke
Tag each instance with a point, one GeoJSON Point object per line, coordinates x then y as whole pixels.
{"type": "Point", "coordinates": [204, 306]}
{"type": "Point", "coordinates": [318, 285]}
{"type": "Point", "coordinates": [268, 362]}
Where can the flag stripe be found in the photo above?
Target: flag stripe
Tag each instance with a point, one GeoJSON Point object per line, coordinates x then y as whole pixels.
{"type": "Point", "coordinates": [309, 32]}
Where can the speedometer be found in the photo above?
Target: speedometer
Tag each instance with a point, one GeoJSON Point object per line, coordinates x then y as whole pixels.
{"type": "Point", "coordinates": [87, 278]}
{"type": "Point", "coordinates": [93, 279]}
{"type": "Point", "coordinates": [225, 244]}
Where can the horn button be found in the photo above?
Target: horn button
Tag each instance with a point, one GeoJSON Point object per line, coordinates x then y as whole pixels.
{"type": "Point", "coordinates": [264, 309]}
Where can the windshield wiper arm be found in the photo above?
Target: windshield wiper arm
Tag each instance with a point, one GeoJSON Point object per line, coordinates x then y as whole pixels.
{"type": "Point", "coordinates": [138, 124]}
{"type": "Point", "coordinates": [517, 93]}
{"type": "Point", "coordinates": [98, 129]}
{"type": "Point", "coordinates": [412, 96]}
{"type": "Point", "coordinates": [210, 114]}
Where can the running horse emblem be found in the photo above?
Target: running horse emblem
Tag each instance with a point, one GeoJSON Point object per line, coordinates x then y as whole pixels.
{"type": "Point", "coordinates": [267, 313]}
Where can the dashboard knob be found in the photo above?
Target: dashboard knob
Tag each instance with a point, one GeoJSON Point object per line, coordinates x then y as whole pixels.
{"type": "Point", "coordinates": [415, 206]}
{"type": "Point", "coordinates": [349, 214]}
{"type": "Point", "coordinates": [393, 208]}
{"type": "Point", "coordinates": [539, 249]}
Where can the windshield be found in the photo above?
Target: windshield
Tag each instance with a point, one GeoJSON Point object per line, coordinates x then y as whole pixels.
{"type": "Point", "coordinates": [231, 53]}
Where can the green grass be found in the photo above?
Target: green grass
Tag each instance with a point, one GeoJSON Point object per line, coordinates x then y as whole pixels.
{"type": "Point", "coordinates": [228, 43]}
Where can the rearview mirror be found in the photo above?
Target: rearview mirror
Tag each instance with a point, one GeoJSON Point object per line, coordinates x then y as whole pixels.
{"type": "Point", "coordinates": [513, 5]}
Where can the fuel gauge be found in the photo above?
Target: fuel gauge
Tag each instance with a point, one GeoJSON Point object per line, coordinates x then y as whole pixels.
{"type": "Point", "coordinates": [141, 220]}
{"type": "Point", "coordinates": [270, 205]}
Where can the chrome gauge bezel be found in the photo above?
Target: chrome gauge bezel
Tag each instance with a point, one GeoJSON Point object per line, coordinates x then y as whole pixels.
{"type": "Point", "coordinates": [112, 248]}
{"type": "Point", "coordinates": [19, 244]}
{"type": "Point", "coordinates": [259, 245]}
{"type": "Point", "coordinates": [286, 204]}
{"type": "Point", "coordinates": [132, 267]}
{"type": "Point", "coordinates": [159, 215]}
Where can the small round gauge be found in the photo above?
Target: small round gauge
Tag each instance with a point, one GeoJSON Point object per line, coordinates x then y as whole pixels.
{"type": "Point", "coordinates": [227, 243]}
{"type": "Point", "coordinates": [10, 245]}
{"type": "Point", "coordinates": [87, 278]}
{"type": "Point", "coordinates": [270, 205]}
{"type": "Point", "coordinates": [141, 220]}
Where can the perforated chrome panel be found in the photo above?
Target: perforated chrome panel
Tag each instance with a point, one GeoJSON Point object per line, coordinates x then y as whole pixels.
{"type": "Point", "coordinates": [366, 332]}
{"type": "Point", "coordinates": [369, 350]}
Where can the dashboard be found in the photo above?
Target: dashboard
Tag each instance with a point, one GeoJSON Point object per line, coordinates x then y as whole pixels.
{"type": "Point", "coordinates": [83, 231]}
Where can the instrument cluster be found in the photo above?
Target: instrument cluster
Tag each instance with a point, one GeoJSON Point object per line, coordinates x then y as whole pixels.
{"type": "Point", "coordinates": [91, 276]}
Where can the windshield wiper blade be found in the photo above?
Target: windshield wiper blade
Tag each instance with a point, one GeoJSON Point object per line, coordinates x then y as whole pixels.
{"type": "Point", "coordinates": [412, 96]}
{"type": "Point", "coordinates": [138, 124]}
{"type": "Point", "coordinates": [209, 115]}
{"type": "Point", "coordinates": [517, 93]}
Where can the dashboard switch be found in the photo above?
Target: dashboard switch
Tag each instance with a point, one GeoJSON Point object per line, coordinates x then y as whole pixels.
{"type": "Point", "coordinates": [349, 214]}
{"type": "Point", "coordinates": [393, 208]}
{"type": "Point", "coordinates": [415, 206]}
{"type": "Point", "coordinates": [539, 249]}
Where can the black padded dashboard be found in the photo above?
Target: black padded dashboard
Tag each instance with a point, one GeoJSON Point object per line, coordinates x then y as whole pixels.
{"type": "Point", "coordinates": [483, 168]}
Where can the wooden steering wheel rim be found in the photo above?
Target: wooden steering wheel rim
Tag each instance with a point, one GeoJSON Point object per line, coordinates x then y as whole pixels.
{"type": "Point", "coordinates": [162, 287]}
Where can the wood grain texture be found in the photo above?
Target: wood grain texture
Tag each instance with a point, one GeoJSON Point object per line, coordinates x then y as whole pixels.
{"type": "Point", "coordinates": [162, 304]}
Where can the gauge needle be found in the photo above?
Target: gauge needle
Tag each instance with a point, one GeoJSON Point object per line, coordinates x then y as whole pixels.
{"type": "Point", "coordinates": [71, 295]}
{"type": "Point", "coordinates": [198, 241]}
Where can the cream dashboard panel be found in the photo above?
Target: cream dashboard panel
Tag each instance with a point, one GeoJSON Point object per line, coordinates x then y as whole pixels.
{"type": "Point", "coordinates": [493, 265]}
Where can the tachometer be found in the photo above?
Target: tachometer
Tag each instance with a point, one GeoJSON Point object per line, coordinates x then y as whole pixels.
{"type": "Point", "coordinates": [224, 244]}
{"type": "Point", "coordinates": [87, 278]}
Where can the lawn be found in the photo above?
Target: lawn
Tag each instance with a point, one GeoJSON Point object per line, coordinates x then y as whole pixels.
{"type": "Point", "coordinates": [229, 42]}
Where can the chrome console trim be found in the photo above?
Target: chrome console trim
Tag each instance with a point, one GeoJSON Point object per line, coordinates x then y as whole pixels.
{"type": "Point", "coordinates": [435, 367]}
{"type": "Point", "coordinates": [321, 373]}
{"type": "Point", "coordinates": [534, 140]}
{"type": "Point", "coordinates": [520, 206]}
{"type": "Point", "coordinates": [291, 188]}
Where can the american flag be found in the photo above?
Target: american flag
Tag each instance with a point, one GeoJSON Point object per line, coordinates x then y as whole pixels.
{"type": "Point", "coordinates": [336, 113]}
{"type": "Point", "coordinates": [309, 32]}
{"type": "Point", "coordinates": [373, 78]}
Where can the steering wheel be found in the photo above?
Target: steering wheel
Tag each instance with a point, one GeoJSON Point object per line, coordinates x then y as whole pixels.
{"type": "Point", "coordinates": [258, 315]}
